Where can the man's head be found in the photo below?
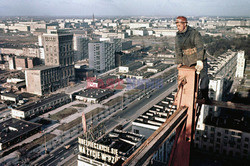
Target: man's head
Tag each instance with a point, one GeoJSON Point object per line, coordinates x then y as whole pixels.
{"type": "Point", "coordinates": [181, 23]}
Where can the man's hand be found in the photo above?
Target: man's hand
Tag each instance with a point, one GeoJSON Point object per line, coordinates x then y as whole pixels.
{"type": "Point", "coordinates": [199, 66]}
{"type": "Point", "coordinates": [179, 65]}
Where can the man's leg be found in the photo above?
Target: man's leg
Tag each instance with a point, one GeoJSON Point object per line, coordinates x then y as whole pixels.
{"type": "Point", "coordinates": [204, 81]}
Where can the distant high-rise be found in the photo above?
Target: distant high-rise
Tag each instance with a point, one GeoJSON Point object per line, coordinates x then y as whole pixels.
{"type": "Point", "coordinates": [80, 47]}
{"type": "Point", "coordinates": [240, 64]}
{"type": "Point", "coordinates": [58, 47]}
{"type": "Point", "coordinates": [101, 56]}
{"type": "Point", "coordinates": [59, 64]}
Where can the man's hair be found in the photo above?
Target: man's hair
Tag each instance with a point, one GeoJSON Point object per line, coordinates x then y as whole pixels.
{"type": "Point", "coordinates": [181, 19]}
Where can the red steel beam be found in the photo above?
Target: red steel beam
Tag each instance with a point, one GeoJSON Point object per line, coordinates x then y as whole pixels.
{"type": "Point", "coordinates": [180, 155]}
{"type": "Point", "coordinates": [230, 105]}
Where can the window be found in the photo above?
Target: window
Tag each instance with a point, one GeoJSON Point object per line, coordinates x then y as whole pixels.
{"type": "Point", "coordinates": [245, 145]}
{"type": "Point", "coordinates": [226, 131]}
{"type": "Point", "coordinates": [247, 139]}
{"type": "Point", "coordinates": [219, 134]}
{"type": "Point", "coordinates": [218, 139]}
{"type": "Point", "coordinates": [233, 133]}
{"type": "Point", "coordinates": [136, 131]}
{"type": "Point", "coordinates": [212, 129]}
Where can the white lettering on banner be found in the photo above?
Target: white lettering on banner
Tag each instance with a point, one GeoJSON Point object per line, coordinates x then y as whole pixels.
{"type": "Point", "coordinates": [98, 155]}
{"type": "Point", "coordinates": [98, 146]}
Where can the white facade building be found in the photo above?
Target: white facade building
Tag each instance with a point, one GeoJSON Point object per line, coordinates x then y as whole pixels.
{"type": "Point", "coordinates": [215, 132]}
{"type": "Point", "coordinates": [140, 25]}
{"type": "Point", "coordinates": [139, 32]}
{"type": "Point", "coordinates": [240, 64]}
{"type": "Point", "coordinates": [165, 32]}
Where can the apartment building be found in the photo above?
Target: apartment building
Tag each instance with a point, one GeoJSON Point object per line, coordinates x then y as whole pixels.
{"type": "Point", "coordinates": [101, 56]}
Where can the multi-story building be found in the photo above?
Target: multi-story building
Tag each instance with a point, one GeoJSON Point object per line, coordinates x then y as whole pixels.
{"type": "Point", "coordinates": [218, 131]}
{"type": "Point", "coordinates": [140, 25]}
{"type": "Point", "coordinates": [59, 64]}
{"type": "Point", "coordinates": [80, 47]}
{"type": "Point", "coordinates": [44, 79]}
{"type": "Point", "coordinates": [101, 56]}
{"type": "Point", "coordinates": [222, 72]}
{"type": "Point", "coordinates": [225, 135]}
{"type": "Point", "coordinates": [113, 149]}
{"type": "Point", "coordinates": [58, 47]}
{"type": "Point", "coordinates": [240, 65]}
{"type": "Point", "coordinates": [147, 123]}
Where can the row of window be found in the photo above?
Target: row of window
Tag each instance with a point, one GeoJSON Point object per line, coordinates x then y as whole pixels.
{"type": "Point", "coordinates": [50, 39]}
{"type": "Point", "coordinates": [230, 152]}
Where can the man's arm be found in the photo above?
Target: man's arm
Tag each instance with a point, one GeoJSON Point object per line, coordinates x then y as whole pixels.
{"type": "Point", "coordinates": [178, 52]}
{"type": "Point", "coordinates": [199, 46]}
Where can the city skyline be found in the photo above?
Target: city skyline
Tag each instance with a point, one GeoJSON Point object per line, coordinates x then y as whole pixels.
{"type": "Point", "coordinates": [124, 8]}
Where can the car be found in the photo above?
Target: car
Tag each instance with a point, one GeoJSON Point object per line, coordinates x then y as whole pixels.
{"type": "Point", "coordinates": [149, 96]}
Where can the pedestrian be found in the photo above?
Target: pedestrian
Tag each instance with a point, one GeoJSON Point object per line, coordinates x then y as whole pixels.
{"type": "Point", "coordinates": [189, 50]}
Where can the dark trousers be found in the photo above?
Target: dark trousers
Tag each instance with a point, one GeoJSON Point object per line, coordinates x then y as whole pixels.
{"type": "Point", "coordinates": [204, 80]}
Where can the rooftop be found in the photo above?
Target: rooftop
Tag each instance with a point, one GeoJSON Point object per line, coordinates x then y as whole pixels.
{"type": "Point", "coordinates": [9, 95]}
{"type": "Point", "coordinates": [230, 121]}
{"type": "Point", "coordinates": [39, 103]}
{"type": "Point", "coordinates": [124, 141]}
{"type": "Point", "coordinates": [13, 128]}
{"type": "Point", "coordinates": [157, 114]}
{"type": "Point", "coordinates": [95, 93]}
{"type": "Point", "coordinates": [43, 67]}
{"type": "Point", "coordinates": [134, 65]}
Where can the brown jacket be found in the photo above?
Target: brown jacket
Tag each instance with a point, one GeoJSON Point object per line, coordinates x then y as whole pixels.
{"type": "Point", "coordinates": [189, 47]}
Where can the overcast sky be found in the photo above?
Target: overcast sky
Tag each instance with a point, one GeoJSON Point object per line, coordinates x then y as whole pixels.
{"type": "Point", "coordinates": [124, 7]}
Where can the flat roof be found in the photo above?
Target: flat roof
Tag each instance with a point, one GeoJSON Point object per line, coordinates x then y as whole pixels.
{"type": "Point", "coordinates": [107, 78]}
{"type": "Point", "coordinates": [158, 114]}
{"type": "Point", "coordinates": [95, 93]}
{"type": "Point", "coordinates": [230, 121]}
{"type": "Point", "coordinates": [160, 66]}
{"type": "Point", "coordinates": [9, 95]}
{"type": "Point", "coordinates": [134, 65]}
{"type": "Point", "coordinates": [124, 141]}
{"type": "Point", "coordinates": [13, 128]}
{"type": "Point", "coordinates": [43, 67]}
{"type": "Point", "coordinates": [39, 103]}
